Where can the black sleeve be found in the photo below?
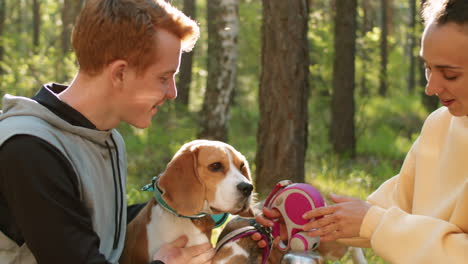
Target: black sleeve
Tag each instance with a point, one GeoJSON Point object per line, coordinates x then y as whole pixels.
{"type": "Point", "coordinates": [40, 189]}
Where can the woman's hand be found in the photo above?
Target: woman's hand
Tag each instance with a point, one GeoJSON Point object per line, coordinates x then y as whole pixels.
{"type": "Point", "coordinates": [176, 253]}
{"type": "Point", "coordinates": [341, 220]}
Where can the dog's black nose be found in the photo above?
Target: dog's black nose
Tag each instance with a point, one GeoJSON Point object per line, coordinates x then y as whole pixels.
{"type": "Point", "coordinates": [245, 188]}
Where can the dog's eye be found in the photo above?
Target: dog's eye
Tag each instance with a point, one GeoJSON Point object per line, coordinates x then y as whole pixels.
{"type": "Point", "coordinates": [241, 166]}
{"type": "Point", "coordinates": [215, 167]}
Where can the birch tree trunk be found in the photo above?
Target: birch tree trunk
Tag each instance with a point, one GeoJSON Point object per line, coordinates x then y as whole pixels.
{"type": "Point", "coordinates": [223, 29]}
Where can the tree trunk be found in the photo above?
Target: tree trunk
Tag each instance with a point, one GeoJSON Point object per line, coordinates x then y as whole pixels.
{"type": "Point", "coordinates": [2, 42]}
{"type": "Point", "coordinates": [185, 73]}
{"type": "Point", "coordinates": [283, 94]}
{"type": "Point", "coordinates": [368, 22]}
{"type": "Point", "coordinates": [383, 49]}
{"type": "Point", "coordinates": [343, 106]}
{"type": "Point", "coordinates": [70, 11]}
{"type": "Point", "coordinates": [223, 29]}
{"type": "Point", "coordinates": [411, 46]}
{"type": "Point", "coordinates": [36, 24]}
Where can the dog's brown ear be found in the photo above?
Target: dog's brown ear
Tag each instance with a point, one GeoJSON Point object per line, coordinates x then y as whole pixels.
{"type": "Point", "coordinates": [182, 189]}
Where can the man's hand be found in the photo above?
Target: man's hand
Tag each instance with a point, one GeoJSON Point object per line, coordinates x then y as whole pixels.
{"type": "Point", "coordinates": [267, 220]}
{"type": "Point", "coordinates": [176, 253]}
{"type": "Point", "coordinates": [341, 220]}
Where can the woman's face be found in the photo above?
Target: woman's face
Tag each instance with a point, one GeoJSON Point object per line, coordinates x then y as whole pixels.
{"type": "Point", "coordinates": [444, 49]}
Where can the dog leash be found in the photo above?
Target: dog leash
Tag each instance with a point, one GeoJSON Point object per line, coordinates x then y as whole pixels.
{"type": "Point", "coordinates": [247, 231]}
{"type": "Point", "coordinates": [219, 219]}
{"type": "Point", "coordinates": [292, 200]}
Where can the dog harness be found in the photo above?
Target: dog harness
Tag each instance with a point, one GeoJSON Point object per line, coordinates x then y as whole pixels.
{"type": "Point", "coordinates": [251, 229]}
{"type": "Point", "coordinates": [219, 219]}
{"type": "Point", "coordinates": [292, 200]}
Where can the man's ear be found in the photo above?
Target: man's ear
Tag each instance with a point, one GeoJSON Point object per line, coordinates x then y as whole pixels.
{"type": "Point", "coordinates": [117, 71]}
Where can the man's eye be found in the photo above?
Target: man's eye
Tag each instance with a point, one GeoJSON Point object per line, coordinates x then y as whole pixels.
{"type": "Point", "coordinates": [216, 167]}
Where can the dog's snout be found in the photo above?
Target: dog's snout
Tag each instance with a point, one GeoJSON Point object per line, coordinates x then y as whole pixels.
{"type": "Point", "coordinates": [245, 188]}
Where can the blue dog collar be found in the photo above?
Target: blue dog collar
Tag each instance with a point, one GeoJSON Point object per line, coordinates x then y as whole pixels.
{"type": "Point", "coordinates": [219, 219]}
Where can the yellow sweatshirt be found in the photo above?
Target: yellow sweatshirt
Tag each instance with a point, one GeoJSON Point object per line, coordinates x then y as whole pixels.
{"type": "Point", "coordinates": [421, 214]}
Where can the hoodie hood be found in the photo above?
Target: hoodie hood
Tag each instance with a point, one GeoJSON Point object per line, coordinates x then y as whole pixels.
{"type": "Point", "coordinates": [22, 106]}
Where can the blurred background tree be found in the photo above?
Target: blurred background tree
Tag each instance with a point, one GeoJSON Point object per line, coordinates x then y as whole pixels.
{"type": "Point", "coordinates": [298, 84]}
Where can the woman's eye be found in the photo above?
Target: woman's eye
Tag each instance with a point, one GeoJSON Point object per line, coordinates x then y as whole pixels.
{"type": "Point", "coordinates": [215, 167]}
{"type": "Point", "coordinates": [450, 75]}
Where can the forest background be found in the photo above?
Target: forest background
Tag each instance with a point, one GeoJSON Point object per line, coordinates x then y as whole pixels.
{"type": "Point", "coordinates": [329, 92]}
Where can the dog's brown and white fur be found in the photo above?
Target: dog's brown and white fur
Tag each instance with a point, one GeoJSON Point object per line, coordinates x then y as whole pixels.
{"type": "Point", "coordinates": [203, 177]}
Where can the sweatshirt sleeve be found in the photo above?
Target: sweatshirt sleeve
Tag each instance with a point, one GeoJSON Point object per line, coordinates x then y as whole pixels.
{"type": "Point", "coordinates": [395, 191]}
{"type": "Point", "coordinates": [39, 187]}
{"type": "Point", "coordinates": [401, 237]}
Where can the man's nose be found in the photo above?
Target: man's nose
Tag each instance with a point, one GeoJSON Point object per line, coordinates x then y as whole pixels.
{"type": "Point", "coordinates": [172, 90]}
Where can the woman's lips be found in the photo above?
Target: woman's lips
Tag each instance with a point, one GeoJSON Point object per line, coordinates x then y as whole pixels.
{"type": "Point", "coordinates": [447, 102]}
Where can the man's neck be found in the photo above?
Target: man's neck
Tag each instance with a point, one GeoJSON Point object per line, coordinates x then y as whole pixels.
{"type": "Point", "coordinates": [91, 97]}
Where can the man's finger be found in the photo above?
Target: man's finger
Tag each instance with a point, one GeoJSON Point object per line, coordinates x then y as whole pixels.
{"type": "Point", "coordinates": [256, 236]}
{"type": "Point", "coordinates": [204, 257]}
{"type": "Point", "coordinates": [271, 213]}
{"type": "Point", "coordinates": [262, 244]}
{"type": "Point", "coordinates": [198, 249]}
{"type": "Point", "coordinates": [180, 242]}
{"type": "Point", "coordinates": [264, 221]}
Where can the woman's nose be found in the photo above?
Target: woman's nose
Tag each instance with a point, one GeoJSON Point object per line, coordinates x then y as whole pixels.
{"type": "Point", "coordinates": [433, 86]}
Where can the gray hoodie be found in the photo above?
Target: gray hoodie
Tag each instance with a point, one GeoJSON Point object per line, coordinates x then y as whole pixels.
{"type": "Point", "coordinates": [98, 158]}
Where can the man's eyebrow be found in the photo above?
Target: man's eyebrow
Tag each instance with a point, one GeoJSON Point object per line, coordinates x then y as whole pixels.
{"type": "Point", "coordinates": [170, 72]}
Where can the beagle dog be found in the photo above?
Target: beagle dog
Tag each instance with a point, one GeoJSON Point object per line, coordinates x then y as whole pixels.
{"type": "Point", "coordinates": [204, 178]}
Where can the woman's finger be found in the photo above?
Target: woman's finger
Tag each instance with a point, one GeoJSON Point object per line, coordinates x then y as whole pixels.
{"type": "Point", "coordinates": [324, 221]}
{"type": "Point", "coordinates": [323, 231]}
{"type": "Point", "coordinates": [321, 211]}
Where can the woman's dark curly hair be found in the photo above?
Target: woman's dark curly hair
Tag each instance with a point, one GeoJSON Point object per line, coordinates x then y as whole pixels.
{"type": "Point", "coordinates": [445, 11]}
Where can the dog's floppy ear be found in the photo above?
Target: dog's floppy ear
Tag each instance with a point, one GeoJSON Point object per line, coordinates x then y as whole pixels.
{"type": "Point", "coordinates": [182, 189]}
